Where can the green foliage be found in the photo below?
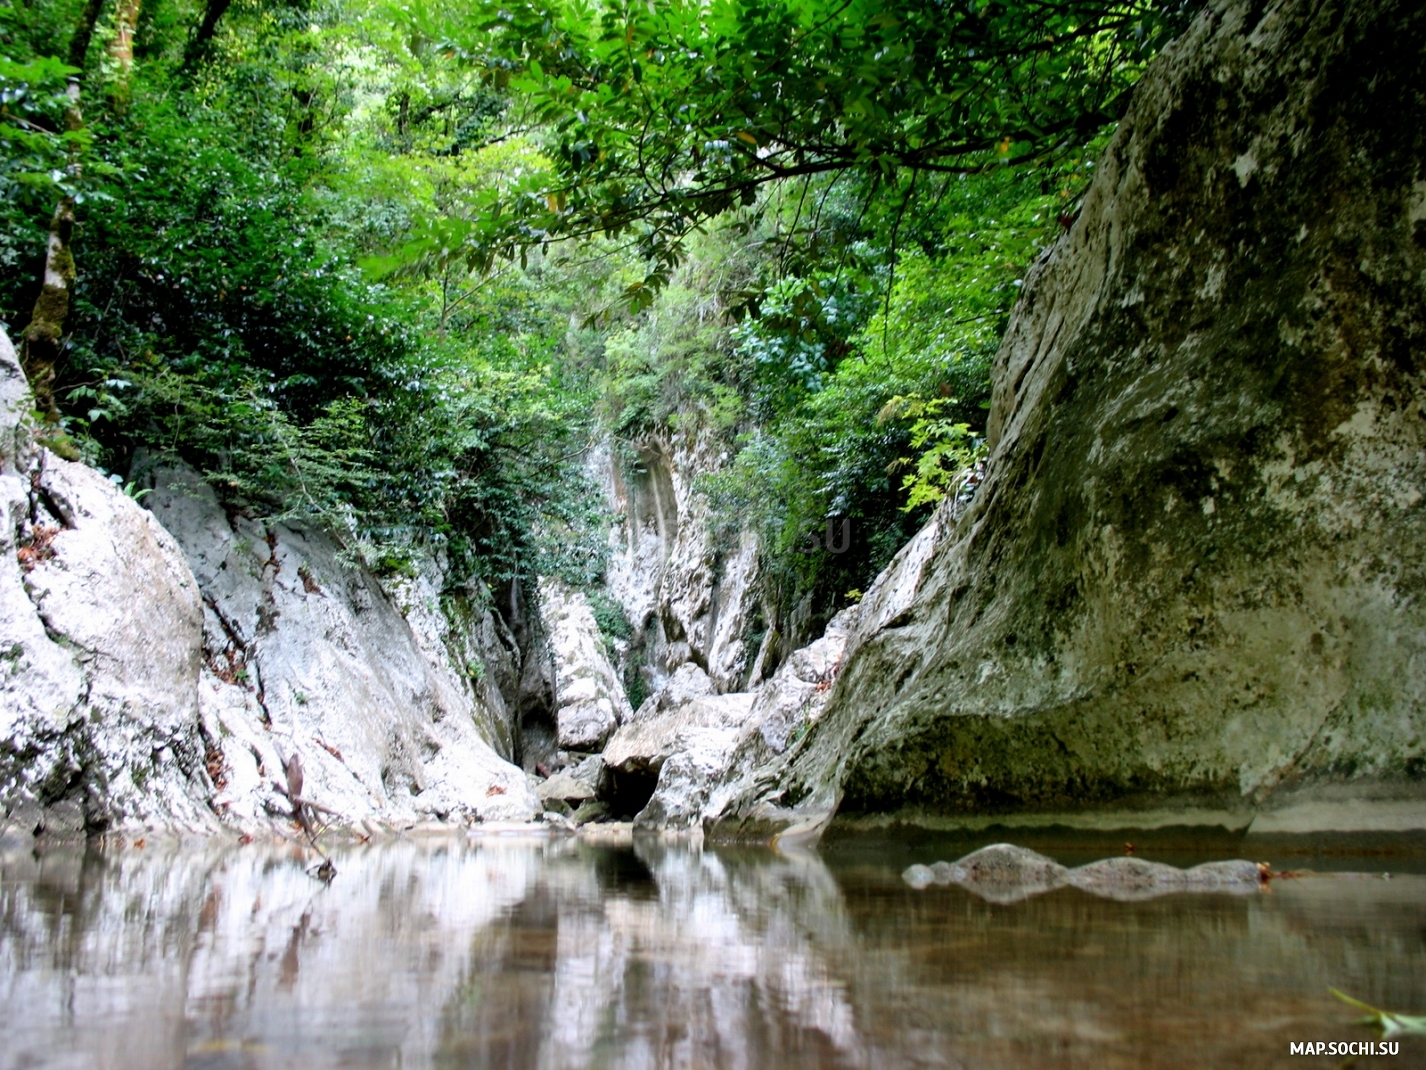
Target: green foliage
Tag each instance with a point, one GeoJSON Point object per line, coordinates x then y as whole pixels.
{"type": "Point", "coordinates": [947, 449]}
{"type": "Point", "coordinates": [219, 315]}
{"type": "Point", "coordinates": [891, 417]}
{"type": "Point", "coordinates": [35, 150]}
{"type": "Point", "coordinates": [387, 268]}
{"type": "Point", "coordinates": [659, 117]}
{"type": "Point", "coordinates": [1390, 1023]}
{"type": "Point", "coordinates": [672, 364]}
{"type": "Point", "coordinates": [609, 616]}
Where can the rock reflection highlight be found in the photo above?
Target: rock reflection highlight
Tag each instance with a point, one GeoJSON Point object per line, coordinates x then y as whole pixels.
{"type": "Point", "coordinates": [558, 954]}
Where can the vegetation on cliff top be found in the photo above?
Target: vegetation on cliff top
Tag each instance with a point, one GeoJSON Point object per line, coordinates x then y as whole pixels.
{"type": "Point", "coordinates": [386, 265]}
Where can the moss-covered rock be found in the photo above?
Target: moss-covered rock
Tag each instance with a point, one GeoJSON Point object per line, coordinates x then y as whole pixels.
{"type": "Point", "coordinates": [1198, 564]}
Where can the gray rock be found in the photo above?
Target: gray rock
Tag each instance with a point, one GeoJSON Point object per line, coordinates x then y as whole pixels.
{"type": "Point", "coordinates": [783, 708]}
{"type": "Point", "coordinates": [589, 699]}
{"type": "Point", "coordinates": [919, 876]}
{"type": "Point", "coordinates": [687, 683]}
{"type": "Point", "coordinates": [686, 776]}
{"type": "Point", "coordinates": [1004, 873]}
{"type": "Point", "coordinates": [574, 786]}
{"type": "Point", "coordinates": [1234, 875]}
{"type": "Point", "coordinates": [100, 629]}
{"type": "Point", "coordinates": [684, 736]}
{"type": "Point", "coordinates": [557, 820]}
{"type": "Point", "coordinates": [16, 438]}
{"type": "Point", "coordinates": [657, 733]}
{"type": "Point", "coordinates": [1194, 566]}
{"type": "Point", "coordinates": [306, 654]}
{"type": "Point", "coordinates": [458, 633]}
{"type": "Point", "coordinates": [595, 810]}
{"type": "Point", "coordinates": [688, 598]}
{"type": "Point", "coordinates": [944, 873]}
{"type": "Point", "coordinates": [1130, 879]}
{"type": "Point", "coordinates": [140, 691]}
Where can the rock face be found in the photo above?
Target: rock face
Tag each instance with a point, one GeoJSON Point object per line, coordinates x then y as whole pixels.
{"type": "Point", "coordinates": [159, 675]}
{"type": "Point", "coordinates": [589, 699]}
{"type": "Point", "coordinates": [466, 641]}
{"type": "Point", "coordinates": [305, 654]}
{"type": "Point", "coordinates": [674, 746]}
{"type": "Point", "coordinates": [1197, 565]}
{"type": "Point", "coordinates": [687, 598]}
{"type": "Point", "coordinates": [100, 625]}
{"type": "Point", "coordinates": [783, 708]}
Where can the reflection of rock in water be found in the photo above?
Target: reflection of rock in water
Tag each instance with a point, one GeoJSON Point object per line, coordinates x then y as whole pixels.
{"type": "Point", "coordinates": [1004, 873]}
{"type": "Point", "coordinates": [718, 967]}
{"type": "Point", "coordinates": [132, 960]}
{"type": "Point", "coordinates": [451, 954]}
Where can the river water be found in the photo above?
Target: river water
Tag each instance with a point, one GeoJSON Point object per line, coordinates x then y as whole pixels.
{"type": "Point", "coordinates": [510, 953]}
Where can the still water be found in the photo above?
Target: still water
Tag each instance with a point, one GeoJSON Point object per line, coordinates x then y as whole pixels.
{"type": "Point", "coordinates": [504, 953]}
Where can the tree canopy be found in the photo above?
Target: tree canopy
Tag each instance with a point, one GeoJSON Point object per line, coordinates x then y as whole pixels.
{"type": "Point", "coordinates": [658, 117]}
{"type": "Point", "coordinates": [392, 266]}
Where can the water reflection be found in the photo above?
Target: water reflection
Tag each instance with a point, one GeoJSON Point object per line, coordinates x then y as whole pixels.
{"type": "Point", "coordinates": [560, 955]}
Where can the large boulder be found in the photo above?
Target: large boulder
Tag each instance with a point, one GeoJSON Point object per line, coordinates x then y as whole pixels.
{"type": "Point", "coordinates": [589, 699]}
{"type": "Point", "coordinates": [676, 745]}
{"type": "Point", "coordinates": [100, 641]}
{"type": "Point", "coordinates": [1195, 569]}
{"type": "Point", "coordinates": [783, 709]}
{"type": "Point", "coordinates": [651, 735]}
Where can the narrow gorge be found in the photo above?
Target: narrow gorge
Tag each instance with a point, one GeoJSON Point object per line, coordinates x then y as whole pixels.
{"type": "Point", "coordinates": [1187, 591]}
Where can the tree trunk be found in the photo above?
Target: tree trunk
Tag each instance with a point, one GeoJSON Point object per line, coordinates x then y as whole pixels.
{"type": "Point", "coordinates": [121, 48]}
{"type": "Point", "coordinates": [198, 47]}
{"type": "Point", "coordinates": [83, 31]}
{"type": "Point", "coordinates": [43, 339]}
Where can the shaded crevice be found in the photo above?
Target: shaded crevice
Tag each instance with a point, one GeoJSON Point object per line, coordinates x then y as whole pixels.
{"type": "Point", "coordinates": [627, 792]}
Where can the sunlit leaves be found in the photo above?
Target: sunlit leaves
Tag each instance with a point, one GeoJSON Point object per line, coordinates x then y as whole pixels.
{"type": "Point", "coordinates": [660, 116]}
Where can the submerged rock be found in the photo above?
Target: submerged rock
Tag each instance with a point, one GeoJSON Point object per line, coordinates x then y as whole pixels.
{"type": "Point", "coordinates": [1195, 564]}
{"type": "Point", "coordinates": [1004, 873]}
{"type": "Point", "coordinates": [1129, 879]}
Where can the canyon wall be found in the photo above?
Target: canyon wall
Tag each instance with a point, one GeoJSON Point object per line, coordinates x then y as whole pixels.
{"type": "Point", "coordinates": [1197, 568]}
{"type": "Point", "coordinates": [160, 665]}
{"type": "Point", "coordinates": [688, 597]}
